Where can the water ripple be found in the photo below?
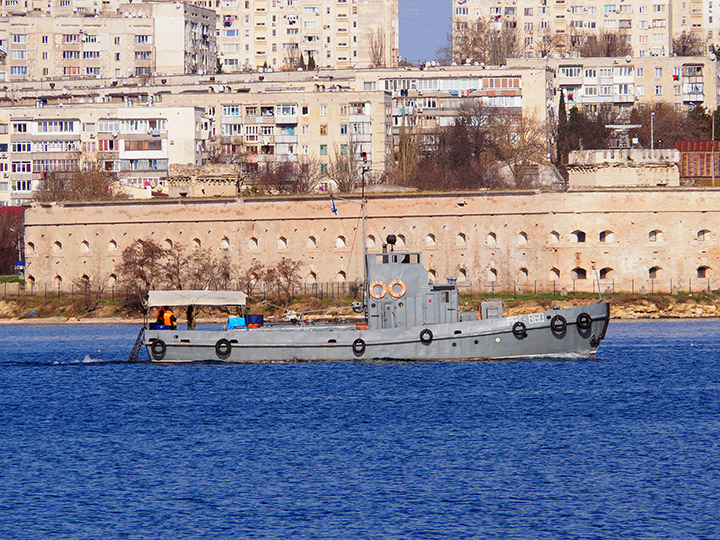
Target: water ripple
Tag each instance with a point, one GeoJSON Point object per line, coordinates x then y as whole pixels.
{"type": "Point", "coordinates": [627, 446]}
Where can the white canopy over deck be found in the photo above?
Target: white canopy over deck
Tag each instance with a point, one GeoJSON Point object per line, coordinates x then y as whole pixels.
{"type": "Point", "coordinates": [196, 298]}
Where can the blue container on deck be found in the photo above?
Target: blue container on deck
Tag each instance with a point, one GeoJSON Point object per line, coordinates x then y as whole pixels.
{"type": "Point", "coordinates": [236, 322]}
{"type": "Point", "coordinates": [255, 320]}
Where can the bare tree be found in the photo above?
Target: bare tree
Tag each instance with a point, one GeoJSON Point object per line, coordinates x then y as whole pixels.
{"type": "Point", "coordinates": [487, 42]}
{"type": "Point", "coordinates": [407, 157]}
{"type": "Point", "coordinates": [141, 268]}
{"type": "Point", "coordinates": [92, 289]}
{"type": "Point", "coordinates": [11, 237]}
{"type": "Point", "coordinates": [307, 174]}
{"type": "Point", "coordinates": [669, 126]}
{"type": "Point", "coordinates": [278, 178]}
{"type": "Point", "coordinates": [302, 176]}
{"type": "Point", "coordinates": [444, 53]}
{"type": "Point", "coordinates": [284, 277]}
{"type": "Point", "coordinates": [548, 43]}
{"type": "Point", "coordinates": [377, 46]}
{"type": "Point", "coordinates": [345, 167]}
{"type": "Point", "coordinates": [292, 55]}
{"type": "Point", "coordinates": [91, 183]}
{"type": "Point", "coordinates": [222, 271]}
{"type": "Point", "coordinates": [602, 44]}
{"type": "Point", "coordinates": [252, 275]}
{"type": "Point", "coordinates": [175, 266]}
{"type": "Point", "coordinates": [226, 149]}
{"type": "Point", "coordinates": [687, 44]}
{"type": "Point", "coordinates": [520, 143]}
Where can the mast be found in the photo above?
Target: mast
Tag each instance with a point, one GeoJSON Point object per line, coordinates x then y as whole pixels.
{"type": "Point", "coordinates": [364, 169]}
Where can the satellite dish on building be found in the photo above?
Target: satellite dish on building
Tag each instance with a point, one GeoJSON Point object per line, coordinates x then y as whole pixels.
{"type": "Point", "coordinates": [628, 58]}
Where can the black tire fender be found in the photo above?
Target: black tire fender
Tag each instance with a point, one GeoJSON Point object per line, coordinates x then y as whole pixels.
{"type": "Point", "coordinates": [519, 329]}
{"type": "Point", "coordinates": [584, 321]}
{"type": "Point", "coordinates": [426, 336]}
{"type": "Point", "coordinates": [358, 346]}
{"type": "Point", "coordinates": [558, 324]}
{"type": "Point", "coordinates": [158, 349]}
{"type": "Point", "coordinates": [223, 348]}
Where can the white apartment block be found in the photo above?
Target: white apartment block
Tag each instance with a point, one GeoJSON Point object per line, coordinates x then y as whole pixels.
{"type": "Point", "coordinates": [430, 98]}
{"type": "Point", "coordinates": [552, 28]}
{"type": "Point", "coordinates": [138, 40]}
{"type": "Point", "coordinates": [136, 143]}
{"type": "Point", "coordinates": [260, 128]}
{"type": "Point", "coordinates": [336, 33]}
{"type": "Point", "coordinates": [250, 34]}
{"type": "Point", "coordinates": [624, 83]}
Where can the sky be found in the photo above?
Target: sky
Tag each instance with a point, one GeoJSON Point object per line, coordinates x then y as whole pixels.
{"type": "Point", "coordinates": [424, 26]}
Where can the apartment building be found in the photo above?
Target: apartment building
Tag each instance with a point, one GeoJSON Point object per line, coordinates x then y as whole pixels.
{"type": "Point", "coordinates": [431, 97]}
{"type": "Point", "coordinates": [136, 143]}
{"type": "Point", "coordinates": [555, 28]}
{"type": "Point", "coordinates": [261, 128]}
{"type": "Point", "coordinates": [624, 83]}
{"type": "Point", "coordinates": [288, 116]}
{"type": "Point", "coordinates": [138, 40]}
{"type": "Point", "coordinates": [335, 33]}
{"type": "Point", "coordinates": [250, 34]}
{"type": "Point", "coordinates": [276, 117]}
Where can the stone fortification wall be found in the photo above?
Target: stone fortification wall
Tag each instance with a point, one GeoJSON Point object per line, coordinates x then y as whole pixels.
{"type": "Point", "coordinates": [652, 238]}
{"type": "Point", "coordinates": [623, 167]}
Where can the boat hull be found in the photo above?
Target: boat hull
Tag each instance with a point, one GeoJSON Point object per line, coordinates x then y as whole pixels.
{"type": "Point", "coordinates": [499, 338]}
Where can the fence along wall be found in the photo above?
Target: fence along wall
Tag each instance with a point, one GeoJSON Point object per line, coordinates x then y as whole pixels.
{"type": "Point", "coordinates": [660, 239]}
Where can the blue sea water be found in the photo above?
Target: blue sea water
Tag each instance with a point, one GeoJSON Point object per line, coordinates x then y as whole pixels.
{"type": "Point", "coordinates": [626, 445]}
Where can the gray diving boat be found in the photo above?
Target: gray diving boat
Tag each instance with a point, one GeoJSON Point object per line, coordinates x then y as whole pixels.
{"type": "Point", "coordinates": [406, 317]}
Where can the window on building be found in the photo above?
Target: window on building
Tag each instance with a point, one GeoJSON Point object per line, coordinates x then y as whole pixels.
{"type": "Point", "coordinates": [606, 236]}
{"type": "Point", "coordinates": [655, 236]}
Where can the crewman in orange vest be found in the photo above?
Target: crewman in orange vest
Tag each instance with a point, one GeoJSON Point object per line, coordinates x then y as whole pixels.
{"type": "Point", "coordinates": [169, 318]}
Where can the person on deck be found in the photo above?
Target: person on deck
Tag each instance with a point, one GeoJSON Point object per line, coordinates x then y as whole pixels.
{"type": "Point", "coordinates": [169, 319]}
{"type": "Point", "coordinates": [161, 316]}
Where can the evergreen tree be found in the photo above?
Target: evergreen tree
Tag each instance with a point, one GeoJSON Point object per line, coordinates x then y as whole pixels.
{"type": "Point", "coordinates": [562, 137]}
{"type": "Point", "coordinates": [311, 62]}
{"type": "Point", "coordinates": [302, 61]}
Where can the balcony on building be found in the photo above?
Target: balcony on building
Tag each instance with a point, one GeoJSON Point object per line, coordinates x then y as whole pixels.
{"type": "Point", "coordinates": [359, 118]}
{"type": "Point", "coordinates": [570, 75]}
{"type": "Point", "coordinates": [286, 114]}
{"type": "Point", "coordinates": [693, 87]}
{"type": "Point", "coordinates": [362, 137]}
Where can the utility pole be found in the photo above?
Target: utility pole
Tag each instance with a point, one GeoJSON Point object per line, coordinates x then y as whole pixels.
{"type": "Point", "coordinates": [652, 131]}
